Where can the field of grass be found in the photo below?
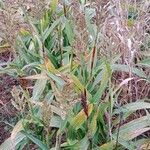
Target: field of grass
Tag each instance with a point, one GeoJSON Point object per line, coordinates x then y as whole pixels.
{"type": "Point", "coordinates": [78, 74]}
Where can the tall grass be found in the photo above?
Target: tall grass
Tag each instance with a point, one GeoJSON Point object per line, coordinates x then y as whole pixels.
{"type": "Point", "coordinates": [81, 67]}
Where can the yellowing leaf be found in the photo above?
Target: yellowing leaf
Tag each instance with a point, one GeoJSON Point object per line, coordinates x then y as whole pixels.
{"type": "Point", "coordinates": [54, 4]}
{"type": "Point", "coordinates": [130, 22]}
{"type": "Point", "coordinates": [77, 82]}
{"type": "Point", "coordinates": [81, 117]}
{"type": "Point", "coordinates": [24, 32]}
{"type": "Point", "coordinates": [66, 68]}
{"type": "Point", "coordinates": [18, 127]}
{"type": "Point", "coordinates": [6, 45]}
{"type": "Point", "coordinates": [4, 48]}
{"type": "Point", "coordinates": [108, 146]}
{"type": "Point", "coordinates": [93, 124]}
{"type": "Point", "coordinates": [49, 66]}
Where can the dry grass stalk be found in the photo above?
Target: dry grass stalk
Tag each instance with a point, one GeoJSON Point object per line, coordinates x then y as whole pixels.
{"type": "Point", "coordinates": [66, 97]}
{"type": "Point", "coordinates": [46, 114]}
{"type": "Point", "coordinates": [80, 29]}
{"type": "Point", "coordinates": [19, 101]}
{"type": "Point", "coordinates": [12, 17]}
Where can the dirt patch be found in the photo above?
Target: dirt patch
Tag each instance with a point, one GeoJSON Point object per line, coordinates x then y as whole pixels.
{"type": "Point", "coordinates": [8, 114]}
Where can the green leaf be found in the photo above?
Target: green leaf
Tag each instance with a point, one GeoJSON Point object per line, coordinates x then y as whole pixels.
{"type": "Point", "coordinates": [133, 107]}
{"type": "Point", "coordinates": [81, 117]}
{"type": "Point", "coordinates": [104, 81]}
{"type": "Point", "coordinates": [57, 79]}
{"type": "Point", "coordinates": [69, 32]}
{"type": "Point", "coordinates": [134, 128]}
{"type": "Point", "coordinates": [93, 124]}
{"type": "Point", "coordinates": [125, 68]}
{"type": "Point", "coordinates": [38, 89]}
{"type": "Point", "coordinates": [55, 122]}
{"type": "Point", "coordinates": [11, 144]}
{"type": "Point", "coordinates": [49, 30]}
{"type": "Point", "coordinates": [52, 58]}
{"type": "Point", "coordinates": [17, 128]}
{"type": "Point", "coordinates": [36, 141]}
{"type": "Point", "coordinates": [54, 4]}
{"type": "Point", "coordinates": [133, 134]}
{"type": "Point", "coordinates": [97, 79]}
{"type": "Point", "coordinates": [23, 51]}
{"type": "Point", "coordinates": [145, 62]}
{"type": "Point", "coordinates": [84, 143]}
{"type": "Point", "coordinates": [77, 82]}
{"type": "Point", "coordinates": [1, 4]}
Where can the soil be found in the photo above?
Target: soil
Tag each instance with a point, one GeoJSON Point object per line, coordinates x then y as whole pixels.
{"type": "Point", "coordinates": [8, 114]}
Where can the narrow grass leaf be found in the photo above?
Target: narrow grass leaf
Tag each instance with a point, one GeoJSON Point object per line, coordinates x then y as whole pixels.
{"type": "Point", "coordinates": [9, 143]}
{"type": "Point", "coordinates": [104, 81]}
{"type": "Point", "coordinates": [77, 82]}
{"type": "Point", "coordinates": [108, 146]}
{"type": "Point", "coordinates": [18, 127]}
{"type": "Point", "coordinates": [84, 143]}
{"type": "Point", "coordinates": [36, 77]}
{"type": "Point", "coordinates": [133, 107]}
{"type": "Point", "coordinates": [49, 30]}
{"type": "Point", "coordinates": [56, 78]}
{"type": "Point", "coordinates": [81, 117]}
{"type": "Point", "coordinates": [134, 128]}
{"type": "Point", "coordinates": [133, 134]}
{"type": "Point", "coordinates": [38, 89]}
{"type": "Point", "coordinates": [36, 141]}
{"type": "Point", "coordinates": [125, 68]}
{"type": "Point", "coordinates": [49, 66]}
{"type": "Point", "coordinates": [54, 4]}
{"type": "Point", "coordinates": [93, 124]}
{"type": "Point", "coordinates": [145, 62]}
{"type": "Point", "coordinates": [69, 32]}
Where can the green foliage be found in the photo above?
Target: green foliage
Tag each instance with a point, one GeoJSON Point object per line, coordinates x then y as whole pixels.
{"type": "Point", "coordinates": [73, 101]}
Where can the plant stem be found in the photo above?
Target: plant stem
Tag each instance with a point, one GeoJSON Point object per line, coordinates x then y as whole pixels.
{"type": "Point", "coordinates": [120, 121]}
{"type": "Point", "coordinates": [93, 57]}
{"type": "Point", "coordinates": [47, 136]}
{"type": "Point", "coordinates": [58, 141]}
{"type": "Point", "coordinates": [60, 46]}
{"type": "Point", "coordinates": [71, 61]}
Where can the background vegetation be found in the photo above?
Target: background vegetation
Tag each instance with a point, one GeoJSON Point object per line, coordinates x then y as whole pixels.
{"type": "Point", "coordinates": [83, 73]}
